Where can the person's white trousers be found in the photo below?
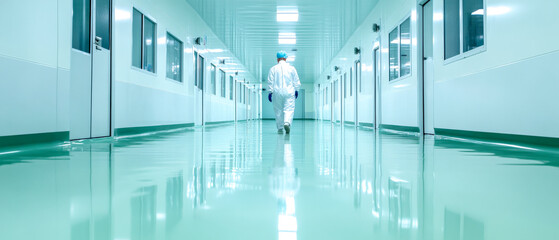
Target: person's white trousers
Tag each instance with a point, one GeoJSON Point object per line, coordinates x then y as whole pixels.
{"type": "Point", "coordinates": [284, 107]}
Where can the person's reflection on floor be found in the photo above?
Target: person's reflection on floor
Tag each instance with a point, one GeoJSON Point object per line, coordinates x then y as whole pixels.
{"type": "Point", "coordinates": [285, 183]}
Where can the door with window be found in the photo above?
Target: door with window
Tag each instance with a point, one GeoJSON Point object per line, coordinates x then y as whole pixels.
{"type": "Point", "coordinates": [90, 83]}
{"type": "Point", "coordinates": [428, 69]}
{"type": "Point", "coordinates": [357, 88]}
{"type": "Point", "coordinates": [376, 88]}
{"type": "Point", "coordinates": [200, 86]}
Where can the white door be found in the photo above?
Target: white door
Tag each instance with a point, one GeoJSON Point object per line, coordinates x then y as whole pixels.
{"type": "Point", "coordinates": [377, 88]}
{"type": "Point", "coordinates": [300, 105]}
{"type": "Point", "coordinates": [357, 90]}
{"type": "Point", "coordinates": [90, 84]}
{"type": "Point", "coordinates": [428, 70]}
{"type": "Point", "coordinates": [200, 77]}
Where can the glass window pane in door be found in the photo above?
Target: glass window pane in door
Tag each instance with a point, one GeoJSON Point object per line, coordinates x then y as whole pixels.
{"type": "Point", "coordinates": [394, 71]}
{"type": "Point", "coordinates": [103, 22]}
{"type": "Point", "coordinates": [473, 24]}
{"type": "Point", "coordinates": [81, 25]}
{"type": "Point", "coordinates": [201, 67]}
{"type": "Point", "coordinates": [213, 79]}
{"type": "Point", "coordinates": [149, 45]}
{"type": "Point", "coordinates": [137, 39]}
{"type": "Point", "coordinates": [451, 28]}
{"type": "Point", "coordinates": [174, 58]}
{"type": "Point", "coordinates": [223, 84]}
{"type": "Point", "coordinates": [231, 88]}
{"type": "Point", "coordinates": [351, 82]}
{"type": "Point", "coordinates": [405, 47]}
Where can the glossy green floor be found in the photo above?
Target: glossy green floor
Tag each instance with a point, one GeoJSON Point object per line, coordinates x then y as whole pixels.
{"type": "Point", "coordinates": [247, 182]}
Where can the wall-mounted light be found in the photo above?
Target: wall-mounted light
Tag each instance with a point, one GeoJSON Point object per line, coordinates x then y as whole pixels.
{"type": "Point", "coordinates": [201, 40]}
{"type": "Point", "coordinates": [357, 51]}
{"type": "Point", "coordinates": [376, 27]}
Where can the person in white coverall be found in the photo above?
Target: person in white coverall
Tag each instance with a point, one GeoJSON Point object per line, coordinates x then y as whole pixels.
{"type": "Point", "coordinates": [283, 84]}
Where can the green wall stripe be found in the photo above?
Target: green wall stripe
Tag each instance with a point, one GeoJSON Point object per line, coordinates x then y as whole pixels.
{"type": "Point", "coordinates": [140, 130]}
{"type": "Point", "coordinates": [400, 128]}
{"type": "Point", "coordinates": [17, 140]}
{"type": "Point", "coordinates": [547, 141]}
{"type": "Point", "coordinates": [349, 122]}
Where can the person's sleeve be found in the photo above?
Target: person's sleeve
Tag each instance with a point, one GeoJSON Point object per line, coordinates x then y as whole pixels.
{"type": "Point", "coordinates": [297, 82]}
{"type": "Point", "coordinates": [271, 81]}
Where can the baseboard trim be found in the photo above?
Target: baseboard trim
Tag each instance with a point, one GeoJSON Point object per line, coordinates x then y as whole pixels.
{"type": "Point", "coordinates": [139, 130]}
{"type": "Point", "coordinates": [219, 123]}
{"type": "Point", "coordinates": [36, 138]}
{"type": "Point", "coordinates": [368, 125]}
{"type": "Point", "coordinates": [400, 128]}
{"type": "Point", "coordinates": [526, 139]}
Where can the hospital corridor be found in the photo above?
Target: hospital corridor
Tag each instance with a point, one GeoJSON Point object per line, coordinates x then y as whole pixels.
{"type": "Point", "coordinates": [279, 120]}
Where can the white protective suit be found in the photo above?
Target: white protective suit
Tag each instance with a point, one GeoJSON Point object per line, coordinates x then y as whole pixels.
{"type": "Point", "coordinates": [283, 81]}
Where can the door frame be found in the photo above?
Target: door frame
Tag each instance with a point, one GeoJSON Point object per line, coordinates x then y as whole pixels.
{"type": "Point", "coordinates": [377, 82]}
{"type": "Point", "coordinates": [421, 69]}
{"type": "Point", "coordinates": [92, 36]}
{"type": "Point", "coordinates": [357, 85]}
{"type": "Point", "coordinates": [112, 122]}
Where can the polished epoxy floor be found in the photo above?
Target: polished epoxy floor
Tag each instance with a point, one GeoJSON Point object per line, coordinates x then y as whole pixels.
{"type": "Point", "coordinates": [247, 182]}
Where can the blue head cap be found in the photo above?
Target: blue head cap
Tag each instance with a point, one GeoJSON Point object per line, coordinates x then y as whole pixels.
{"type": "Point", "coordinates": [282, 54]}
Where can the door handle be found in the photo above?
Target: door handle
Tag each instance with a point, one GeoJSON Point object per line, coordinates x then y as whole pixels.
{"type": "Point", "coordinates": [98, 43]}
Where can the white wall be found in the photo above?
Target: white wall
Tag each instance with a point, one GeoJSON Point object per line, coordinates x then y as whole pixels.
{"type": "Point", "coordinates": [509, 88]}
{"type": "Point", "coordinates": [34, 66]}
{"type": "Point", "coordinates": [146, 99]}
{"type": "Point", "coordinates": [512, 87]}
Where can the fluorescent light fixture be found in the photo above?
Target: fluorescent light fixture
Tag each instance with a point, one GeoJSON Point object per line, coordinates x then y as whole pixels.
{"type": "Point", "coordinates": [288, 14]}
{"type": "Point", "coordinates": [287, 38]}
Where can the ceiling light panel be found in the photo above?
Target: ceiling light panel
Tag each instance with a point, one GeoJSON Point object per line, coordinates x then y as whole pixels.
{"type": "Point", "coordinates": [287, 38]}
{"type": "Point", "coordinates": [287, 14]}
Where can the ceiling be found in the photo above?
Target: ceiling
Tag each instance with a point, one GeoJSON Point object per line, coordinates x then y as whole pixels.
{"type": "Point", "coordinates": [249, 29]}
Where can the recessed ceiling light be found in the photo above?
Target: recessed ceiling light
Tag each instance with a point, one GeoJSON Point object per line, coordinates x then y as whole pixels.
{"type": "Point", "coordinates": [287, 14]}
{"type": "Point", "coordinates": [287, 38]}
